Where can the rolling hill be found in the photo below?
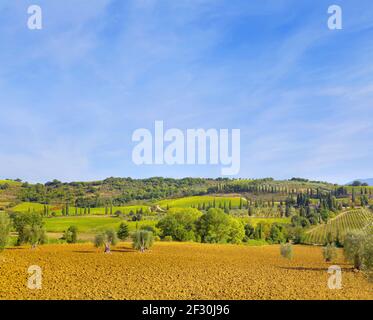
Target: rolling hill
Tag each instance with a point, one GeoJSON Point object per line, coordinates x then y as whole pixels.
{"type": "Point", "coordinates": [338, 227]}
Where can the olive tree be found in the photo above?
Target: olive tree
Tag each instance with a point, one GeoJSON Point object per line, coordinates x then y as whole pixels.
{"type": "Point", "coordinates": [106, 239]}
{"type": "Point", "coordinates": [5, 225]}
{"type": "Point", "coordinates": [358, 249]}
{"type": "Point", "coordinates": [286, 250]}
{"type": "Point", "coordinates": [142, 240]}
{"type": "Point", "coordinates": [71, 234]}
{"type": "Point", "coordinates": [329, 252]}
{"type": "Point", "coordinates": [354, 248]}
{"type": "Point", "coordinates": [368, 257]}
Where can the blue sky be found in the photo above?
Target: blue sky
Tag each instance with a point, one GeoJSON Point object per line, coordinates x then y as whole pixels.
{"type": "Point", "coordinates": [72, 94]}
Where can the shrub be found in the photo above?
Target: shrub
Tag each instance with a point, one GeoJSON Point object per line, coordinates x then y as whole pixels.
{"type": "Point", "coordinates": [286, 251]}
{"type": "Point", "coordinates": [71, 235]}
{"type": "Point", "coordinates": [123, 231]}
{"type": "Point", "coordinates": [167, 238]}
{"type": "Point", "coordinates": [106, 239]}
{"type": "Point", "coordinates": [5, 225]}
{"type": "Point", "coordinates": [142, 240]}
{"type": "Point", "coordinates": [118, 213]}
{"type": "Point", "coordinates": [329, 252]}
{"type": "Point", "coordinates": [249, 231]}
{"type": "Point", "coordinates": [149, 228]}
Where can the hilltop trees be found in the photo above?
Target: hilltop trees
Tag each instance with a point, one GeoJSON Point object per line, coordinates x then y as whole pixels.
{"type": "Point", "coordinates": [105, 193]}
{"type": "Point", "coordinates": [5, 225]}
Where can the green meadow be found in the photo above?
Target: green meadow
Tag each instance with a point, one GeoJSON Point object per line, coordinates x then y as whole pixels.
{"type": "Point", "coordinates": [254, 220]}
{"type": "Point", "coordinates": [10, 182]}
{"type": "Point", "coordinates": [200, 201]}
{"type": "Point", "coordinates": [92, 224]}
{"type": "Point", "coordinates": [38, 207]}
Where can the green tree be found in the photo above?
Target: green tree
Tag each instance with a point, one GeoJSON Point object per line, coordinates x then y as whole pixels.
{"type": "Point", "coordinates": [217, 227]}
{"type": "Point", "coordinates": [249, 231]}
{"type": "Point", "coordinates": [296, 235]}
{"type": "Point", "coordinates": [286, 250]}
{"type": "Point", "coordinates": [276, 234]}
{"type": "Point", "coordinates": [106, 239]}
{"type": "Point", "coordinates": [123, 232]}
{"type": "Point", "coordinates": [30, 228]}
{"type": "Point", "coordinates": [180, 224]}
{"type": "Point", "coordinates": [262, 231]}
{"type": "Point", "coordinates": [236, 232]}
{"type": "Point", "coordinates": [354, 248]}
{"type": "Point", "coordinates": [5, 226]}
{"type": "Point", "coordinates": [368, 257]}
{"type": "Point", "coordinates": [142, 240]}
{"type": "Point", "coordinates": [329, 252]}
{"type": "Point", "coordinates": [71, 235]}
{"type": "Point", "coordinates": [364, 201]}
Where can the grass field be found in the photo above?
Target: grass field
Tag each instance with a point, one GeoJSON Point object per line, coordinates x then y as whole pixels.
{"type": "Point", "coordinates": [200, 200]}
{"type": "Point", "coordinates": [37, 207]}
{"type": "Point", "coordinates": [30, 206]}
{"type": "Point", "coordinates": [10, 182]}
{"type": "Point", "coordinates": [350, 220]}
{"type": "Point", "coordinates": [175, 271]}
{"type": "Point", "coordinates": [91, 224]}
{"type": "Point", "coordinates": [254, 220]}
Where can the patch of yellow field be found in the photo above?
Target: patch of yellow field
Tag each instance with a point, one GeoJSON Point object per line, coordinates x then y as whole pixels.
{"type": "Point", "coordinates": [175, 271]}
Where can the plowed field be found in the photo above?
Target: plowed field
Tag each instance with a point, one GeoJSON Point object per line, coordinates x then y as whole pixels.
{"type": "Point", "coordinates": [175, 271]}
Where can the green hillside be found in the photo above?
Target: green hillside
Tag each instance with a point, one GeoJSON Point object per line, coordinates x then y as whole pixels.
{"type": "Point", "coordinates": [358, 219]}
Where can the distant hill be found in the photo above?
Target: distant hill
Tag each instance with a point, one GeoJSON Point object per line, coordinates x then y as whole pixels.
{"type": "Point", "coordinates": [368, 181]}
{"type": "Point", "coordinates": [124, 191]}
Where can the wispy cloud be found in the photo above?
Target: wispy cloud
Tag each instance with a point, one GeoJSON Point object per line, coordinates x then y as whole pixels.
{"type": "Point", "coordinates": [71, 94]}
